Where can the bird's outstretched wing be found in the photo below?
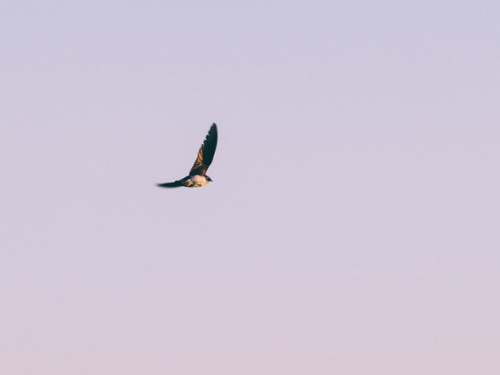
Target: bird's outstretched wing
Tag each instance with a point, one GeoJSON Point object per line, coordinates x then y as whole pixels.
{"type": "Point", "coordinates": [171, 184]}
{"type": "Point", "coordinates": [206, 153]}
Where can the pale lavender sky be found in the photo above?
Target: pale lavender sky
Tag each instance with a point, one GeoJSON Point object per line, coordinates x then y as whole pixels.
{"type": "Point", "coordinates": [353, 225]}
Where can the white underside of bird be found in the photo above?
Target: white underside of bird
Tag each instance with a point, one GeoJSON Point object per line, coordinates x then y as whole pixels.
{"type": "Point", "coordinates": [196, 181]}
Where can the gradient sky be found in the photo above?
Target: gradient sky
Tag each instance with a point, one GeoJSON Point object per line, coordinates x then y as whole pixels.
{"type": "Point", "coordinates": [352, 227]}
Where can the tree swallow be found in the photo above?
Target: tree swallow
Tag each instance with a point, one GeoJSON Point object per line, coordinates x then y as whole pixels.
{"type": "Point", "coordinates": [197, 176]}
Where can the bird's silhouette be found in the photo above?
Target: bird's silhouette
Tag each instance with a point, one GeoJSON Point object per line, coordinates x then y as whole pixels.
{"type": "Point", "coordinates": [197, 175]}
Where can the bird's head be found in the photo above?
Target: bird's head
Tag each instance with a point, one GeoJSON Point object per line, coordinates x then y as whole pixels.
{"type": "Point", "coordinates": [208, 178]}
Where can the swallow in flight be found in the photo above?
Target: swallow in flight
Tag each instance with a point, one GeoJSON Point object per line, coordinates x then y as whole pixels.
{"type": "Point", "coordinates": [197, 175]}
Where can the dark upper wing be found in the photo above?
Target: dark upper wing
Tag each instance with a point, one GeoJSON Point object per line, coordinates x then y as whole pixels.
{"type": "Point", "coordinates": [206, 153]}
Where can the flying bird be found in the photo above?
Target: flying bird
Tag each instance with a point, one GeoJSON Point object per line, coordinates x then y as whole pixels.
{"type": "Point", "coordinates": [197, 175]}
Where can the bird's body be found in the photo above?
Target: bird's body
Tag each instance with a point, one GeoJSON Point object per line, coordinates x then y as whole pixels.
{"type": "Point", "coordinates": [189, 181]}
{"type": "Point", "coordinates": [197, 181]}
{"type": "Point", "coordinates": [197, 175]}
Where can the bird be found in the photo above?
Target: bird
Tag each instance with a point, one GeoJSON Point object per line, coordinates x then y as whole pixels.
{"type": "Point", "coordinates": [197, 175]}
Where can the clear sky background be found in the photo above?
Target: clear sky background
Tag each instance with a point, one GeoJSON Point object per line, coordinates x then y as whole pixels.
{"type": "Point", "coordinates": [353, 223]}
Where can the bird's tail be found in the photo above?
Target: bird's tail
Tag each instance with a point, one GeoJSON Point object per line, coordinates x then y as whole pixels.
{"type": "Point", "coordinates": [170, 184]}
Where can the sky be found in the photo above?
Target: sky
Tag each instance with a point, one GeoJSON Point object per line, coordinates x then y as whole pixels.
{"type": "Point", "coordinates": [352, 225]}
